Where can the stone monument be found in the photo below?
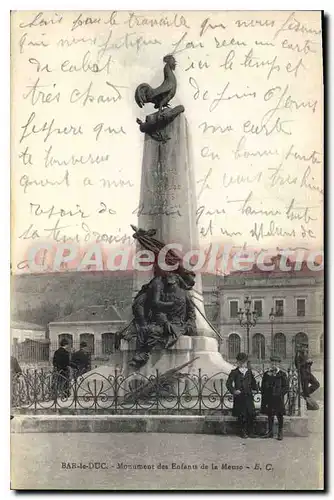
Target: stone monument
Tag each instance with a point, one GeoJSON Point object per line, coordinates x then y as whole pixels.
{"type": "Point", "coordinates": [170, 327]}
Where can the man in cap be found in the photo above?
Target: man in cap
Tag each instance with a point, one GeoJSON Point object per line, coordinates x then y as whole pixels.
{"type": "Point", "coordinates": [274, 387]}
{"type": "Point", "coordinates": [241, 383]}
{"type": "Point", "coordinates": [81, 361]}
{"type": "Point", "coordinates": [309, 383]}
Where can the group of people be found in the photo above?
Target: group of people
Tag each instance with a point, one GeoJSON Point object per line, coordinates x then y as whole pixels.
{"type": "Point", "coordinates": [64, 362]}
{"type": "Point", "coordinates": [274, 386]}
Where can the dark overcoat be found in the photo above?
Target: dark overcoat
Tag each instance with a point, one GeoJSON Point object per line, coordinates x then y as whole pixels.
{"type": "Point", "coordinates": [307, 379]}
{"type": "Point", "coordinates": [81, 361]}
{"type": "Point", "coordinates": [273, 389]}
{"type": "Point", "coordinates": [61, 359]}
{"type": "Point", "coordinates": [303, 365]}
{"type": "Point", "coordinates": [301, 360]}
{"type": "Point", "coordinates": [61, 376]}
{"type": "Point", "coordinates": [243, 403]}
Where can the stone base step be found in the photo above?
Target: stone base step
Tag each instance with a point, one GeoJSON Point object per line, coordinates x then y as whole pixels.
{"type": "Point", "coordinates": [196, 424]}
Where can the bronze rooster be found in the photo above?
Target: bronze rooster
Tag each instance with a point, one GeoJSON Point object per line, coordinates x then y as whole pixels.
{"type": "Point", "coordinates": [161, 95]}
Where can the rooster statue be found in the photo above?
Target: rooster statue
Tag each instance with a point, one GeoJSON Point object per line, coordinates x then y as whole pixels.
{"type": "Point", "coordinates": [161, 95]}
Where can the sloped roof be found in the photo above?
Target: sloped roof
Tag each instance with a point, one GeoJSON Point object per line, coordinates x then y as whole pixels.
{"type": "Point", "coordinates": [24, 325]}
{"type": "Point", "coordinates": [93, 313]}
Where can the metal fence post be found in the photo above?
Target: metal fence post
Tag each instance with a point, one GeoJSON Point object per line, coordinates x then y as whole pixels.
{"type": "Point", "coordinates": [200, 391]}
{"type": "Point", "coordinates": [157, 392]}
{"type": "Point", "coordinates": [221, 395]}
{"type": "Point", "coordinates": [298, 394]}
{"type": "Point", "coordinates": [34, 390]}
{"type": "Point", "coordinates": [75, 391]}
{"type": "Point", "coordinates": [116, 390]}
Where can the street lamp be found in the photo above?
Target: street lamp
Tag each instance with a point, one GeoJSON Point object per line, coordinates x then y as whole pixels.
{"type": "Point", "coordinates": [247, 318]}
{"type": "Point", "coordinates": [272, 319]}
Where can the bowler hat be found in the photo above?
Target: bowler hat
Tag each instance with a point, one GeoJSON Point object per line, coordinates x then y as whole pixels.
{"type": "Point", "coordinates": [64, 342]}
{"type": "Point", "coordinates": [242, 356]}
{"type": "Point", "coordinates": [83, 344]}
{"type": "Point", "coordinates": [275, 357]}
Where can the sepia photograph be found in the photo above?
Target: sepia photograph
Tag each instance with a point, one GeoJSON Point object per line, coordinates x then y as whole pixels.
{"type": "Point", "coordinates": [167, 250]}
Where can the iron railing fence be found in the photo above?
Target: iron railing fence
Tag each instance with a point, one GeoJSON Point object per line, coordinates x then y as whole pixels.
{"type": "Point", "coordinates": [45, 391]}
{"type": "Point", "coordinates": [30, 353]}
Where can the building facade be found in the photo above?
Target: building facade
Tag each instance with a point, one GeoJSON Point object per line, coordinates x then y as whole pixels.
{"type": "Point", "coordinates": [289, 310]}
{"type": "Point", "coordinates": [95, 325]}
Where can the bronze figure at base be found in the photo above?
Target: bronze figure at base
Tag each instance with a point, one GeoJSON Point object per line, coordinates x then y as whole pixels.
{"type": "Point", "coordinates": [162, 312]}
{"type": "Point", "coordinates": [163, 309]}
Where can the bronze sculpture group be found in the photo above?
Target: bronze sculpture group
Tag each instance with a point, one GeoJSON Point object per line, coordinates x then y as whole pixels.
{"type": "Point", "coordinates": [163, 309]}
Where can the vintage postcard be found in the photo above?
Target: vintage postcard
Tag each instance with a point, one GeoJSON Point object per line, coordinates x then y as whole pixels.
{"type": "Point", "coordinates": [167, 279]}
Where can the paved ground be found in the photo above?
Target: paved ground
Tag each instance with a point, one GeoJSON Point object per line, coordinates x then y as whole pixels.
{"type": "Point", "coordinates": [294, 463]}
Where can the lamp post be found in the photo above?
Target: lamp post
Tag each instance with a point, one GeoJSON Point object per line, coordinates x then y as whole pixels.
{"type": "Point", "coordinates": [247, 318]}
{"type": "Point", "coordinates": [272, 319]}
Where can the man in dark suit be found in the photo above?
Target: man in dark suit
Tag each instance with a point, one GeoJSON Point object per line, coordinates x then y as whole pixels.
{"type": "Point", "coordinates": [81, 361]}
{"type": "Point", "coordinates": [241, 383]}
{"type": "Point", "coordinates": [309, 383]}
{"type": "Point", "coordinates": [273, 389]}
{"type": "Point", "coordinates": [61, 364]}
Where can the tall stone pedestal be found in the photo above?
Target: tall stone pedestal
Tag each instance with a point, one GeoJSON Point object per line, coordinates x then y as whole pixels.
{"type": "Point", "coordinates": [168, 200]}
{"type": "Point", "coordinates": [168, 205]}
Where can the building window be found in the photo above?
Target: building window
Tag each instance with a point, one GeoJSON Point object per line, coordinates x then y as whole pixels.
{"type": "Point", "coordinates": [301, 340]}
{"type": "Point", "coordinates": [280, 345]}
{"type": "Point", "coordinates": [233, 345]}
{"type": "Point", "coordinates": [259, 346]}
{"type": "Point", "coordinates": [301, 307]}
{"type": "Point", "coordinates": [322, 344]}
{"type": "Point", "coordinates": [108, 343]}
{"type": "Point", "coordinates": [89, 339]}
{"type": "Point", "coordinates": [279, 307]}
{"type": "Point", "coordinates": [66, 336]}
{"type": "Point", "coordinates": [234, 306]}
{"type": "Point", "coordinates": [258, 307]}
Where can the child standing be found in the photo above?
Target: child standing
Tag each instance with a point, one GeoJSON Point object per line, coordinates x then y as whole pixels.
{"type": "Point", "coordinates": [274, 387]}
